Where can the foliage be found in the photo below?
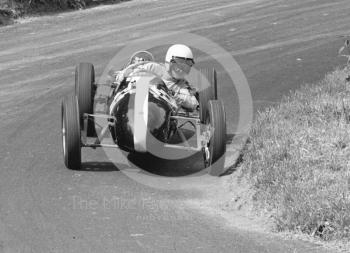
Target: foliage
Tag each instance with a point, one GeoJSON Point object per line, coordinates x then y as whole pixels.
{"type": "Point", "coordinates": [32, 6]}
{"type": "Point", "coordinates": [298, 159]}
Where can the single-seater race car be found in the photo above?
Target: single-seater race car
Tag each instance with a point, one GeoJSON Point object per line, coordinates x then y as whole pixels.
{"type": "Point", "coordinates": [142, 116]}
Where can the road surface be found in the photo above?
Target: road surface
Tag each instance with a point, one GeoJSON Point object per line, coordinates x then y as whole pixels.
{"type": "Point", "coordinates": [45, 207]}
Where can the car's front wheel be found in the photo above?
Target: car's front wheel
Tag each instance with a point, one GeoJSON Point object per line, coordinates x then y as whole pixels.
{"type": "Point", "coordinates": [71, 133]}
{"type": "Point", "coordinates": [217, 145]}
{"type": "Point", "coordinates": [207, 82]}
{"type": "Point", "coordinates": [85, 91]}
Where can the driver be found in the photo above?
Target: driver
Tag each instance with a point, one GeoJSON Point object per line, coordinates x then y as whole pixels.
{"type": "Point", "coordinates": [177, 65]}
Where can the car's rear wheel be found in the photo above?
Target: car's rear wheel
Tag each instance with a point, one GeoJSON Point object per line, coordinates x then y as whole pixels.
{"type": "Point", "coordinates": [217, 144]}
{"type": "Point", "coordinates": [207, 91]}
{"type": "Point", "coordinates": [71, 133]}
{"type": "Point", "coordinates": [85, 92]}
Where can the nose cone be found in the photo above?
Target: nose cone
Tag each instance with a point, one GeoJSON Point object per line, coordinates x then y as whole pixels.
{"type": "Point", "coordinates": [154, 122]}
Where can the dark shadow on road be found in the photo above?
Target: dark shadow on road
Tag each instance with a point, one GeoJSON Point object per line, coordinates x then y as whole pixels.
{"type": "Point", "coordinates": [181, 167]}
{"type": "Point", "coordinates": [165, 167]}
{"type": "Point", "coordinates": [98, 166]}
{"type": "Point", "coordinates": [169, 168]}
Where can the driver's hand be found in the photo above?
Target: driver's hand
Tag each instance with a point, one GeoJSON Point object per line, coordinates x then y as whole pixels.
{"type": "Point", "coordinates": [186, 99]}
{"type": "Point", "coordinates": [193, 91]}
{"type": "Point", "coordinates": [119, 77]}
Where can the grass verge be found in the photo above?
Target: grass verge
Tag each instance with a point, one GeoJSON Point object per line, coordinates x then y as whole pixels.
{"type": "Point", "coordinates": [298, 159]}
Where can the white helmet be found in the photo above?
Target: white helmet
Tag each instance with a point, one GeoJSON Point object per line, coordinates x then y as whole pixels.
{"type": "Point", "coordinates": [179, 51]}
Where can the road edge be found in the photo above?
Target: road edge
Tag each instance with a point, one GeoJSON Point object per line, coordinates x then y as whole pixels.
{"type": "Point", "coordinates": [234, 152]}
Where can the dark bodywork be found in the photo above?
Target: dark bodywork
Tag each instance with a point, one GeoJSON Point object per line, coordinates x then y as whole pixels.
{"type": "Point", "coordinates": [122, 108]}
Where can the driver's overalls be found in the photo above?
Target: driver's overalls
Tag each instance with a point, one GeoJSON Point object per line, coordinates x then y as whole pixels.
{"type": "Point", "coordinates": [181, 90]}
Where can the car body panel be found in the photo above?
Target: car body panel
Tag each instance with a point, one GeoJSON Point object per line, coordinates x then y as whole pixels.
{"type": "Point", "coordinates": [142, 111]}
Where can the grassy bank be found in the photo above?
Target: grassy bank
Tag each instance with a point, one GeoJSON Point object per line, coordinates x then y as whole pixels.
{"type": "Point", "coordinates": [12, 9]}
{"type": "Point", "coordinates": [298, 159]}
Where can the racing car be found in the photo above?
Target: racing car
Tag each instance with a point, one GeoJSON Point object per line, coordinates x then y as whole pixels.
{"type": "Point", "coordinates": [141, 115]}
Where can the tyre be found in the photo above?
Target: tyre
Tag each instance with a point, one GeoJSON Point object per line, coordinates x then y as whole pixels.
{"type": "Point", "coordinates": [208, 91]}
{"type": "Point", "coordinates": [85, 92]}
{"type": "Point", "coordinates": [71, 133]}
{"type": "Point", "coordinates": [217, 144]}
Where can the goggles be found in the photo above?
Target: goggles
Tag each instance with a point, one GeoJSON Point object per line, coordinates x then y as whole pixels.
{"type": "Point", "coordinates": [182, 64]}
{"type": "Point", "coordinates": [183, 60]}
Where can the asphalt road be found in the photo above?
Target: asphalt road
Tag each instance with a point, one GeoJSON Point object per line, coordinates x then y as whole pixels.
{"type": "Point", "coordinates": [45, 207]}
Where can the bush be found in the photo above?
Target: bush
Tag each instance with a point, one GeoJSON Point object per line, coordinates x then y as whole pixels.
{"type": "Point", "coordinates": [6, 16]}
{"type": "Point", "coordinates": [21, 7]}
{"type": "Point", "coordinates": [41, 5]}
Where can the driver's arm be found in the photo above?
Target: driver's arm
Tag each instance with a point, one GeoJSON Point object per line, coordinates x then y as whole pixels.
{"type": "Point", "coordinates": [153, 67]}
{"type": "Point", "coordinates": [148, 66]}
{"type": "Point", "coordinates": [184, 95]}
{"type": "Point", "coordinates": [120, 75]}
